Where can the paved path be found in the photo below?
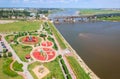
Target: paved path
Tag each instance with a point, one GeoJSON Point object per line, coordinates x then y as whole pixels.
{"type": "Point", "coordinates": [62, 52]}
{"type": "Point", "coordinates": [25, 65]}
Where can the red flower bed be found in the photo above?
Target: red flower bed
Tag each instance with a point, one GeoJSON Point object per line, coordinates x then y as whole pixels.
{"type": "Point", "coordinates": [46, 55]}
{"type": "Point", "coordinates": [30, 40]}
{"type": "Point", "coordinates": [44, 44]}
{"type": "Point", "coordinates": [47, 44]}
{"type": "Point", "coordinates": [51, 55]}
{"type": "Point", "coordinates": [39, 56]}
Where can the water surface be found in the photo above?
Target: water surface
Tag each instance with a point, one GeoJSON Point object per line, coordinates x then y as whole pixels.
{"type": "Point", "coordinates": [98, 44]}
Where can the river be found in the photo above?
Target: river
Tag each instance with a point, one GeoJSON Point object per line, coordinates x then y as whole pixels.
{"type": "Point", "coordinates": [98, 44]}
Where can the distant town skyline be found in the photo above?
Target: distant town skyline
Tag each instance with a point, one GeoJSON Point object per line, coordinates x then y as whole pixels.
{"type": "Point", "coordinates": [61, 3]}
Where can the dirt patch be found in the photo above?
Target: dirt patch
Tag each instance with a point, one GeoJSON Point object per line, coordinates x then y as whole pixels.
{"type": "Point", "coordinates": [7, 21]}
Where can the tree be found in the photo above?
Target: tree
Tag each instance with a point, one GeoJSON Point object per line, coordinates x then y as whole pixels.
{"type": "Point", "coordinates": [0, 55]}
{"type": "Point", "coordinates": [16, 42]}
{"type": "Point", "coordinates": [5, 50]}
{"type": "Point", "coordinates": [4, 55]}
{"type": "Point", "coordinates": [9, 54]}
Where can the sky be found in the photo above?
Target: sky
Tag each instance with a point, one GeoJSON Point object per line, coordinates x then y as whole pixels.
{"type": "Point", "coordinates": [61, 3]}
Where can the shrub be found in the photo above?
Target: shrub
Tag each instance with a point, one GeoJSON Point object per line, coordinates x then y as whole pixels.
{"type": "Point", "coordinates": [69, 76]}
{"type": "Point", "coordinates": [9, 54]}
{"type": "Point", "coordinates": [0, 55]}
{"type": "Point", "coordinates": [42, 35]}
{"type": "Point", "coordinates": [50, 39]}
{"type": "Point", "coordinates": [65, 69]}
{"type": "Point", "coordinates": [5, 50]}
{"type": "Point", "coordinates": [60, 56]}
{"type": "Point", "coordinates": [64, 66]}
{"type": "Point", "coordinates": [35, 30]}
{"type": "Point", "coordinates": [4, 55]}
{"type": "Point", "coordinates": [17, 66]}
{"type": "Point", "coordinates": [55, 46]}
{"type": "Point", "coordinates": [62, 61]}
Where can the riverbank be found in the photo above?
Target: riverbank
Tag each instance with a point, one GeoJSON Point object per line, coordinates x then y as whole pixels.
{"type": "Point", "coordinates": [112, 19]}
{"type": "Point", "coordinates": [78, 58]}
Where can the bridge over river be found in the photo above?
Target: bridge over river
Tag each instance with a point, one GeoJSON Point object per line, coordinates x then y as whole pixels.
{"type": "Point", "coordinates": [81, 18]}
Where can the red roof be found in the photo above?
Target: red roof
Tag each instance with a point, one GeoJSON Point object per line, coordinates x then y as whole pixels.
{"type": "Point", "coordinates": [28, 56]}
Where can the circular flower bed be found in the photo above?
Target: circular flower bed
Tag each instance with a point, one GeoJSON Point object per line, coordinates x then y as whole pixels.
{"type": "Point", "coordinates": [47, 44]}
{"type": "Point", "coordinates": [30, 40]}
{"type": "Point", "coordinates": [44, 54]}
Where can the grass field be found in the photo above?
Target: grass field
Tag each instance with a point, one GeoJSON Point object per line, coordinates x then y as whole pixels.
{"type": "Point", "coordinates": [57, 35]}
{"type": "Point", "coordinates": [110, 18]}
{"type": "Point", "coordinates": [77, 69]}
{"type": "Point", "coordinates": [21, 50]}
{"type": "Point", "coordinates": [97, 11]}
{"type": "Point", "coordinates": [9, 37]}
{"type": "Point", "coordinates": [3, 63]}
{"type": "Point", "coordinates": [55, 70]}
{"type": "Point", "coordinates": [31, 66]}
{"type": "Point", "coordinates": [20, 26]}
{"type": "Point", "coordinates": [17, 66]}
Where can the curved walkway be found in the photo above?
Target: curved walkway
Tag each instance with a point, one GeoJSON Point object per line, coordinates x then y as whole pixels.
{"type": "Point", "coordinates": [20, 73]}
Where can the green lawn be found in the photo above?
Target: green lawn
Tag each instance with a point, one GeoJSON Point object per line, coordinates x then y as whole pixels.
{"type": "Point", "coordinates": [55, 70]}
{"type": "Point", "coordinates": [57, 35]}
{"type": "Point", "coordinates": [9, 38]}
{"type": "Point", "coordinates": [97, 11]}
{"type": "Point", "coordinates": [31, 66]}
{"type": "Point", "coordinates": [21, 50]}
{"type": "Point", "coordinates": [116, 18]}
{"type": "Point", "coordinates": [77, 69]}
{"type": "Point", "coordinates": [20, 26]}
{"type": "Point", "coordinates": [17, 66]}
{"type": "Point", "coordinates": [4, 67]}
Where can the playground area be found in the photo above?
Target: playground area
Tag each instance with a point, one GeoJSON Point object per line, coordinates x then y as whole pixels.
{"type": "Point", "coordinates": [40, 71]}
{"type": "Point", "coordinates": [30, 40]}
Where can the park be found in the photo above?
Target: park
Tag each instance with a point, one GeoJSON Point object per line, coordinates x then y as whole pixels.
{"type": "Point", "coordinates": [38, 49]}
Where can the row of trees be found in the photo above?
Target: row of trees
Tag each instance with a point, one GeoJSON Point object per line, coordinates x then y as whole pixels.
{"type": "Point", "coordinates": [5, 53]}
{"type": "Point", "coordinates": [68, 76]}
{"type": "Point", "coordinates": [13, 13]}
{"type": "Point", "coordinates": [19, 13]}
